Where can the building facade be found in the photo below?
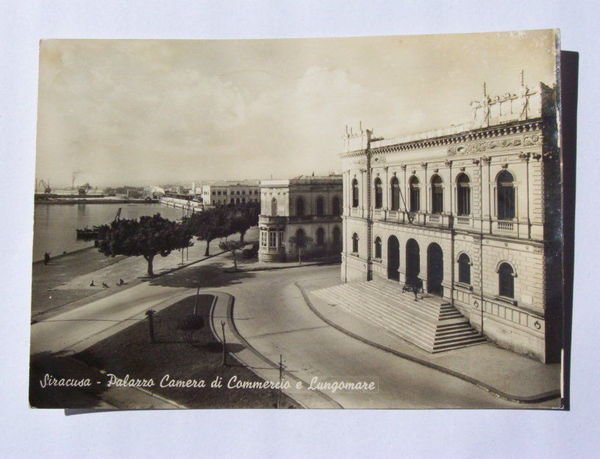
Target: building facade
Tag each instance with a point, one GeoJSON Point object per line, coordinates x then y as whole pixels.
{"type": "Point", "coordinates": [472, 214]}
{"type": "Point", "coordinates": [223, 193]}
{"type": "Point", "coordinates": [300, 218]}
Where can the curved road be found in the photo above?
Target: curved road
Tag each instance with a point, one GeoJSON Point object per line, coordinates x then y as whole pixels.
{"type": "Point", "coordinates": [270, 313]}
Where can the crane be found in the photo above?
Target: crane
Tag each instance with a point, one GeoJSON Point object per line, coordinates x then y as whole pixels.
{"type": "Point", "coordinates": [45, 186]}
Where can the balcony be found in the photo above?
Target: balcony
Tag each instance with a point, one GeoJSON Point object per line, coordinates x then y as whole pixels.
{"type": "Point", "coordinates": [271, 220]}
{"type": "Point", "coordinates": [505, 225]}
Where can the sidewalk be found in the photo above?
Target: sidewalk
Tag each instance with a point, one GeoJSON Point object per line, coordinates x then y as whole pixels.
{"type": "Point", "coordinates": [252, 266]}
{"type": "Point", "coordinates": [507, 374]}
{"type": "Point", "coordinates": [66, 281]}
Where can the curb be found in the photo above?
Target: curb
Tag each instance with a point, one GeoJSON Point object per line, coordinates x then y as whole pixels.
{"type": "Point", "coordinates": [274, 268]}
{"type": "Point", "coordinates": [511, 398]}
{"type": "Point", "coordinates": [61, 255]}
{"type": "Point", "coordinates": [235, 331]}
{"type": "Point", "coordinates": [177, 268]}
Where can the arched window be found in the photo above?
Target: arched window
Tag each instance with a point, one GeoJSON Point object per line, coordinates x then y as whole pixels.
{"type": "Point", "coordinates": [464, 269]}
{"type": "Point", "coordinates": [300, 207]}
{"type": "Point", "coordinates": [320, 207]}
{"type": "Point", "coordinates": [506, 281]}
{"type": "Point", "coordinates": [378, 194]}
{"type": "Point", "coordinates": [354, 193]}
{"type": "Point", "coordinates": [463, 195]}
{"type": "Point", "coordinates": [237, 200]}
{"type": "Point", "coordinates": [437, 195]}
{"type": "Point", "coordinates": [395, 193]}
{"type": "Point", "coordinates": [274, 207]}
{"type": "Point", "coordinates": [336, 237]}
{"type": "Point", "coordinates": [415, 195]}
{"type": "Point", "coordinates": [300, 238]}
{"type": "Point", "coordinates": [355, 243]}
{"type": "Point", "coordinates": [320, 237]}
{"type": "Point", "coordinates": [335, 206]}
{"type": "Point", "coordinates": [506, 196]}
{"type": "Point", "coordinates": [378, 248]}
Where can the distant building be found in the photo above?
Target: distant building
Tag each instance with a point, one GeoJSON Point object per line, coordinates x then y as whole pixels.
{"type": "Point", "coordinates": [471, 214]}
{"type": "Point", "coordinates": [223, 193]}
{"type": "Point", "coordinates": [300, 217]}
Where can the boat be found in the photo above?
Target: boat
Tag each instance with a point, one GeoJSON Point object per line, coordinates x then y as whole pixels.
{"type": "Point", "coordinates": [87, 234]}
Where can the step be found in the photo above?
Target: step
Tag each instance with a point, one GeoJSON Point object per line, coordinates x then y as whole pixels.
{"type": "Point", "coordinates": [455, 339]}
{"type": "Point", "coordinates": [456, 332]}
{"type": "Point", "coordinates": [430, 323]}
{"type": "Point", "coordinates": [449, 347]}
{"type": "Point", "coordinates": [382, 308]}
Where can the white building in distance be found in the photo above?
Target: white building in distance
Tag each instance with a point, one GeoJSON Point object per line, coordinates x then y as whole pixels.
{"type": "Point", "coordinates": [223, 193]}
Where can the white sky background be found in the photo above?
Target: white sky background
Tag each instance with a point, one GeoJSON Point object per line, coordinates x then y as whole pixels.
{"type": "Point", "coordinates": [153, 112]}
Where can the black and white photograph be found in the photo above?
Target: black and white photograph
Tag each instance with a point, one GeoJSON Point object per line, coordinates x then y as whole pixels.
{"type": "Point", "coordinates": [371, 222]}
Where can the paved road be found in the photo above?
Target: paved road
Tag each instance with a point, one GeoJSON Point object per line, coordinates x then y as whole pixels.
{"type": "Point", "coordinates": [274, 319]}
{"type": "Point", "coordinates": [271, 314]}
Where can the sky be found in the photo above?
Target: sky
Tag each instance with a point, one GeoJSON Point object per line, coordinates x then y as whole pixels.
{"type": "Point", "coordinates": [143, 112]}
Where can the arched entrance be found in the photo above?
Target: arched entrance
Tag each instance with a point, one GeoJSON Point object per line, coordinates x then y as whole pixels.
{"type": "Point", "coordinates": [413, 262]}
{"type": "Point", "coordinates": [393, 258]}
{"type": "Point", "coordinates": [435, 269]}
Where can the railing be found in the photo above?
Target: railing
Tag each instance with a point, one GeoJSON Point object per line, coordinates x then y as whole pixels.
{"type": "Point", "coordinates": [505, 225]}
{"type": "Point", "coordinates": [271, 219]}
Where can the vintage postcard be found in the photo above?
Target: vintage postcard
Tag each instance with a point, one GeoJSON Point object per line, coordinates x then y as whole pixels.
{"type": "Point", "coordinates": [369, 222]}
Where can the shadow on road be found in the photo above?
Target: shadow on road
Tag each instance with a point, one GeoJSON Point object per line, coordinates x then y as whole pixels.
{"type": "Point", "coordinates": [205, 276]}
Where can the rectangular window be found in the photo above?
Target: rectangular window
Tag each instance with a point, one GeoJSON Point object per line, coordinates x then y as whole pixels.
{"type": "Point", "coordinates": [437, 200]}
{"type": "Point", "coordinates": [272, 239]}
{"type": "Point", "coordinates": [464, 201]}
{"type": "Point", "coordinates": [263, 238]}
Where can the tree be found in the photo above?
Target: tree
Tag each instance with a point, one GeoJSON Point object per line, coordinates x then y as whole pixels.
{"type": "Point", "coordinates": [208, 225]}
{"type": "Point", "coordinates": [242, 218]}
{"type": "Point", "coordinates": [148, 237]}
{"type": "Point", "coordinates": [300, 244]}
{"type": "Point", "coordinates": [233, 247]}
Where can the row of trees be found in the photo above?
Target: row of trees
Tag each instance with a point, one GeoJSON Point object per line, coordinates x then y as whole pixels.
{"type": "Point", "coordinates": [154, 235]}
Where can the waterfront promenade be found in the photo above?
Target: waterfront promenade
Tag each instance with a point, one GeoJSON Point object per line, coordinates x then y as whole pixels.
{"type": "Point", "coordinates": [64, 283]}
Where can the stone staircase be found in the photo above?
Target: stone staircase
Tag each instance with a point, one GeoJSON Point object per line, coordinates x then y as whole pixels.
{"type": "Point", "coordinates": [430, 323]}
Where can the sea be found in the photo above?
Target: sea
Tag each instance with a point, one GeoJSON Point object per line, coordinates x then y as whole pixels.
{"type": "Point", "coordinates": [55, 225]}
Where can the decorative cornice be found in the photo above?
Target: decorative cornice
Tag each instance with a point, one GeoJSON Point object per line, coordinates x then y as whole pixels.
{"type": "Point", "coordinates": [491, 132]}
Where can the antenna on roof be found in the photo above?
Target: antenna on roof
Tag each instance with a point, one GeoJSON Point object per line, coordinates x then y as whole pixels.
{"type": "Point", "coordinates": [522, 77]}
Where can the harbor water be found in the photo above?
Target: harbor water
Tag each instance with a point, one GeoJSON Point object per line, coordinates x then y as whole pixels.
{"type": "Point", "coordinates": [55, 225]}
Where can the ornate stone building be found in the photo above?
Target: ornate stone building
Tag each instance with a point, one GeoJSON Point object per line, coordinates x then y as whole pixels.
{"type": "Point", "coordinates": [473, 213]}
{"type": "Point", "coordinates": [300, 218]}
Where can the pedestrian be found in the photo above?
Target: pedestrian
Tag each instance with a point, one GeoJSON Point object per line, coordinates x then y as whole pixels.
{"type": "Point", "coordinates": [415, 286]}
{"type": "Point", "coordinates": [92, 283]}
{"type": "Point", "coordinates": [105, 285]}
{"type": "Point", "coordinates": [121, 282]}
{"type": "Point", "coordinates": [46, 258]}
